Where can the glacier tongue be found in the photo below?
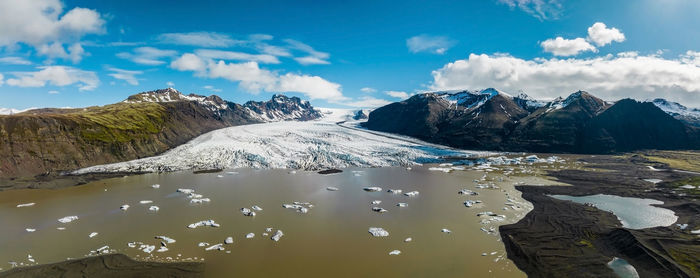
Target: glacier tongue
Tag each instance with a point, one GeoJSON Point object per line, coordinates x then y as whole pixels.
{"type": "Point", "coordinates": [308, 145]}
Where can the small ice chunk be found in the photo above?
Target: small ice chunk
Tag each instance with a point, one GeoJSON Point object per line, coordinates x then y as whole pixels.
{"type": "Point", "coordinates": [93, 234]}
{"type": "Point", "coordinates": [202, 223]}
{"type": "Point", "coordinates": [247, 212]}
{"type": "Point", "coordinates": [144, 202]}
{"type": "Point", "coordinates": [484, 254]}
{"type": "Point", "coordinates": [331, 188]}
{"type": "Point", "coordinates": [202, 244]}
{"type": "Point", "coordinates": [68, 219]}
{"type": "Point", "coordinates": [376, 202]}
{"type": "Point", "coordinates": [156, 186]}
{"type": "Point", "coordinates": [154, 208]}
{"type": "Point", "coordinates": [250, 235]}
{"type": "Point", "coordinates": [30, 230]}
{"type": "Point", "coordinates": [167, 239]}
{"type": "Point", "coordinates": [199, 201]}
{"type": "Point", "coordinates": [219, 176]}
{"type": "Point", "coordinates": [378, 232]}
{"type": "Point", "coordinates": [372, 189]}
{"type": "Point", "coordinates": [412, 193]}
{"type": "Point", "coordinates": [103, 249]}
{"type": "Point", "coordinates": [468, 203]}
{"type": "Point", "coordinates": [60, 228]}
{"type": "Point", "coordinates": [228, 240]}
{"type": "Point", "coordinates": [217, 246]}
{"type": "Point", "coordinates": [26, 205]}
{"type": "Point", "coordinates": [682, 226]}
{"type": "Point", "coordinates": [446, 231]}
{"type": "Point", "coordinates": [124, 207]}
{"type": "Point", "coordinates": [395, 252]}
{"type": "Point", "coordinates": [256, 208]}
{"type": "Point", "coordinates": [277, 235]}
{"type": "Point", "coordinates": [402, 205]}
{"type": "Point", "coordinates": [269, 230]}
{"type": "Point", "coordinates": [185, 190]}
{"type": "Point", "coordinates": [378, 209]}
{"type": "Point", "coordinates": [162, 249]}
{"type": "Point", "coordinates": [408, 239]}
{"type": "Point", "coordinates": [147, 248]}
{"type": "Point", "coordinates": [394, 191]}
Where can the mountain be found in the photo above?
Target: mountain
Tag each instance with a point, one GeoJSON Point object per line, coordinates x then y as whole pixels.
{"type": "Point", "coordinates": [688, 115]}
{"type": "Point", "coordinates": [555, 127]}
{"type": "Point", "coordinates": [49, 141]}
{"type": "Point", "coordinates": [493, 120]}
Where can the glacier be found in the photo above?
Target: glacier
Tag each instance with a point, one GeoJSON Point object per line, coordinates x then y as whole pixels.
{"type": "Point", "coordinates": [329, 142]}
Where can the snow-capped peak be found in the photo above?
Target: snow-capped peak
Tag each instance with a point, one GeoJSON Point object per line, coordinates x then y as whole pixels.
{"type": "Point", "coordinates": [559, 102]}
{"type": "Point", "coordinates": [170, 95]}
{"type": "Point", "coordinates": [470, 99]}
{"type": "Point", "coordinates": [678, 111]}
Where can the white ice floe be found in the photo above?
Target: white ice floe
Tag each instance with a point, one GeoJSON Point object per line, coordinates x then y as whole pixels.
{"type": "Point", "coordinates": [154, 208]}
{"type": "Point", "coordinates": [60, 228]}
{"type": "Point", "coordinates": [440, 169]}
{"type": "Point", "coordinates": [412, 193]}
{"type": "Point", "coordinates": [446, 231]}
{"type": "Point", "coordinates": [26, 205]}
{"type": "Point", "coordinates": [203, 223]}
{"type": "Point", "coordinates": [124, 207]}
{"type": "Point", "coordinates": [256, 208]}
{"type": "Point", "coordinates": [156, 186]}
{"type": "Point", "coordinates": [162, 249]}
{"type": "Point", "coordinates": [247, 212]}
{"type": "Point", "coordinates": [301, 207]}
{"type": "Point", "coordinates": [228, 240]}
{"type": "Point", "coordinates": [395, 252]}
{"type": "Point", "coordinates": [202, 244]}
{"type": "Point", "coordinates": [218, 246]}
{"type": "Point", "coordinates": [378, 209]}
{"type": "Point", "coordinates": [145, 202]}
{"type": "Point", "coordinates": [68, 219]}
{"type": "Point", "coordinates": [93, 234]}
{"type": "Point", "coordinates": [277, 235]}
{"type": "Point", "coordinates": [166, 239]}
{"type": "Point", "coordinates": [199, 201]}
{"type": "Point", "coordinates": [394, 191]}
{"type": "Point", "coordinates": [331, 188]}
{"type": "Point", "coordinates": [103, 249]}
{"type": "Point", "coordinates": [147, 248]}
{"type": "Point", "coordinates": [308, 145]}
{"type": "Point", "coordinates": [372, 189]}
{"type": "Point", "coordinates": [468, 203]}
{"type": "Point", "coordinates": [185, 190]}
{"type": "Point", "coordinates": [30, 230]}
{"type": "Point", "coordinates": [378, 232]}
{"type": "Point", "coordinates": [376, 202]}
{"type": "Point", "coordinates": [408, 239]}
{"type": "Point", "coordinates": [250, 235]}
{"type": "Point", "coordinates": [402, 205]}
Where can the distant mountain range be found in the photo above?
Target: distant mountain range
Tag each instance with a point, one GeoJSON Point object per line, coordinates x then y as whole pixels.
{"type": "Point", "coordinates": [48, 141]}
{"type": "Point", "coordinates": [581, 123]}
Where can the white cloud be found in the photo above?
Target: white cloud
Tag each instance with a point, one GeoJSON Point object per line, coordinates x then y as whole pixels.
{"type": "Point", "coordinates": [609, 77]}
{"type": "Point", "coordinates": [601, 35]}
{"type": "Point", "coordinates": [189, 62]}
{"type": "Point", "coordinates": [54, 92]}
{"type": "Point", "coordinates": [368, 90]}
{"type": "Point", "coordinates": [565, 47]}
{"type": "Point", "coordinates": [14, 61]}
{"type": "Point", "coordinates": [238, 56]}
{"type": "Point", "coordinates": [397, 94]}
{"type": "Point", "coordinates": [366, 102]}
{"type": "Point", "coordinates": [2, 81]}
{"type": "Point", "coordinates": [430, 44]}
{"type": "Point", "coordinates": [55, 50]}
{"type": "Point", "coordinates": [254, 79]}
{"type": "Point", "coordinates": [314, 56]}
{"type": "Point", "coordinates": [147, 55]}
{"type": "Point", "coordinates": [56, 76]}
{"type": "Point", "coordinates": [540, 9]}
{"type": "Point", "coordinates": [212, 88]}
{"type": "Point", "coordinates": [127, 75]}
{"type": "Point", "coordinates": [42, 23]}
{"type": "Point", "coordinates": [202, 39]}
{"type": "Point", "coordinates": [170, 84]}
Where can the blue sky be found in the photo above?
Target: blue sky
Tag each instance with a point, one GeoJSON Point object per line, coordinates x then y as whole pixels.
{"type": "Point", "coordinates": [345, 53]}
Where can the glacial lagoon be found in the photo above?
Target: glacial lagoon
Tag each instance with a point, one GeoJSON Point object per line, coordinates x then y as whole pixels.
{"type": "Point", "coordinates": [330, 239]}
{"type": "Point", "coordinates": [633, 213]}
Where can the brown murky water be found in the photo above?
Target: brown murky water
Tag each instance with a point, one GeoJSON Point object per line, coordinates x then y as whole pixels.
{"type": "Point", "coordinates": [332, 239]}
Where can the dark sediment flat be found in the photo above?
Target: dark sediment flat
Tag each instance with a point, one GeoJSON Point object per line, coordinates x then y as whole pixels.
{"type": "Point", "coordinates": [565, 239]}
{"type": "Point", "coordinates": [56, 181]}
{"type": "Point", "coordinates": [113, 265]}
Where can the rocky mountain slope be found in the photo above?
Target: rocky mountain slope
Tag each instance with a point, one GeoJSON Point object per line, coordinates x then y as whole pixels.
{"type": "Point", "coordinates": [493, 120]}
{"type": "Point", "coordinates": [49, 141]}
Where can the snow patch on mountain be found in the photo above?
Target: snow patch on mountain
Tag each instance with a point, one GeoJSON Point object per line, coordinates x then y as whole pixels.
{"type": "Point", "coordinates": [306, 145]}
{"type": "Point", "coordinates": [470, 100]}
{"type": "Point", "coordinates": [678, 111]}
{"type": "Point", "coordinates": [10, 111]}
{"type": "Point", "coordinates": [213, 103]}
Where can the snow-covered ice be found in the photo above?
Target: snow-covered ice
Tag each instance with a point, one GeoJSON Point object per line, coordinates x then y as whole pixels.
{"type": "Point", "coordinates": [228, 240]}
{"type": "Point", "coordinates": [395, 252]}
{"type": "Point", "coordinates": [68, 219]}
{"type": "Point", "coordinates": [250, 235]}
{"type": "Point", "coordinates": [277, 235]}
{"type": "Point", "coordinates": [309, 145]}
{"type": "Point", "coordinates": [93, 234]}
{"type": "Point", "coordinates": [378, 232]}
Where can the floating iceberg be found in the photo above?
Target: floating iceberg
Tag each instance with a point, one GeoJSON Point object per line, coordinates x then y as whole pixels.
{"type": "Point", "coordinates": [250, 235]}
{"type": "Point", "coordinates": [144, 202]}
{"type": "Point", "coordinates": [395, 252]}
{"type": "Point", "coordinates": [68, 219]}
{"type": "Point", "coordinates": [412, 193]}
{"type": "Point", "coordinates": [228, 240]}
{"type": "Point", "coordinates": [217, 246]}
{"type": "Point", "coordinates": [124, 207]}
{"type": "Point", "coordinates": [277, 235]}
{"type": "Point", "coordinates": [378, 232]}
{"type": "Point", "coordinates": [446, 231]}
{"type": "Point", "coordinates": [26, 205]}
{"type": "Point", "coordinates": [154, 208]}
{"type": "Point", "coordinates": [156, 186]}
{"type": "Point", "coordinates": [394, 191]}
{"type": "Point", "coordinates": [372, 189]}
{"type": "Point", "coordinates": [331, 188]}
{"type": "Point", "coordinates": [93, 234]}
{"type": "Point", "coordinates": [167, 239]}
{"type": "Point", "coordinates": [203, 223]}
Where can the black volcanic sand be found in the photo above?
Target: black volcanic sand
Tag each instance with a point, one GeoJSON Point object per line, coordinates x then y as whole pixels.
{"type": "Point", "coordinates": [330, 171]}
{"type": "Point", "coordinates": [113, 265]}
{"type": "Point", "coordinates": [565, 239]}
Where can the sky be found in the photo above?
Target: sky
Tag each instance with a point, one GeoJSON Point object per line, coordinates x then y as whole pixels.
{"type": "Point", "coordinates": [346, 54]}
